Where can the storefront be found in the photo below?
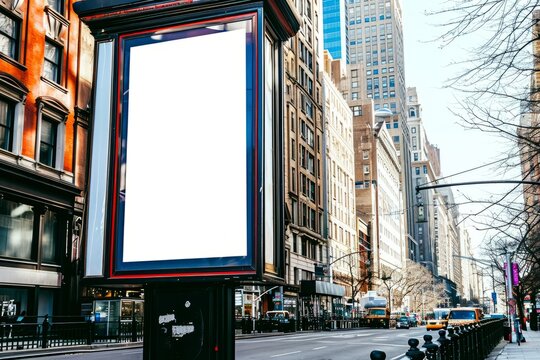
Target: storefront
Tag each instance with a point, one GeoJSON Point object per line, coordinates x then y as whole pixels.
{"type": "Point", "coordinates": [320, 301]}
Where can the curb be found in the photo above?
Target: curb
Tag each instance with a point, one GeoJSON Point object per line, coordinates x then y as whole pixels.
{"type": "Point", "coordinates": [494, 354]}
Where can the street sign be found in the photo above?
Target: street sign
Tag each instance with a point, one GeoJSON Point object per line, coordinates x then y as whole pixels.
{"type": "Point", "coordinates": [494, 297]}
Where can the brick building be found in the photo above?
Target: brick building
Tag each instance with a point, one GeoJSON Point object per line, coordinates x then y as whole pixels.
{"type": "Point", "coordinates": [45, 87]}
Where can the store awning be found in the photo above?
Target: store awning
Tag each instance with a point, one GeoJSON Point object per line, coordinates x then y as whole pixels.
{"type": "Point", "coordinates": [315, 287]}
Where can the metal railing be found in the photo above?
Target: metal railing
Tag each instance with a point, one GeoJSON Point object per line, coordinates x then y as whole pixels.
{"type": "Point", "coordinates": [34, 333]}
{"type": "Point", "coordinates": [468, 342]}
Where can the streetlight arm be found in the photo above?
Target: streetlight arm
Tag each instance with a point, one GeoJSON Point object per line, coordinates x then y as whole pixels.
{"type": "Point", "coordinates": [267, 291]}
{"type": "Point", "coordinates": [349, 254]}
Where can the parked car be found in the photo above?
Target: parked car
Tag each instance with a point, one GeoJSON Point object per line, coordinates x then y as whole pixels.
{"type": "Point", "coordinates": [413, 322]}
{"type": "Point", "coordinates": [403, 323]}
{"type": "Point", "coordinates": [279, 320]}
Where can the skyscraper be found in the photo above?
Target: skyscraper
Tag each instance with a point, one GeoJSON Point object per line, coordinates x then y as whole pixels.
{"type": "Point", "coordinates": [375, 38]}
{"type": "Point", "coordinates": [335, 24]}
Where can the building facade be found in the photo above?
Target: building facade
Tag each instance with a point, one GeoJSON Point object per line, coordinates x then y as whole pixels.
{"type": "Point", "coordinates": [45, 86]}
{"type": "Point", "coordinates": [341, 206]}
{"type": "Point", "coordinates": [375, 34]}
{"type": "Point", "coordinates": [425, 170]}
{"type": "Point", "coordinates": [306, 237]}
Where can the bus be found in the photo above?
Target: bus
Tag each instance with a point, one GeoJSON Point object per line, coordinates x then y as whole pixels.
{"type": "Point", "coordinates": [440, 319]}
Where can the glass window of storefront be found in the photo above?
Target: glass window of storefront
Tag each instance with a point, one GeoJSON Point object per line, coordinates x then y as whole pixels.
{"type": "Point", "coordinates": [16, 229]}
{"type": "Point", "coordinates": [49, 237]}
{"type": "Point", "coordinates": [13, 301]}
{"type": "Point", "coordinates": [17, 235]}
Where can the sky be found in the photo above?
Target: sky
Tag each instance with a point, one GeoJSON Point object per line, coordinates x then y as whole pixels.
{"type": "Point", "coordinates": [428, 67]}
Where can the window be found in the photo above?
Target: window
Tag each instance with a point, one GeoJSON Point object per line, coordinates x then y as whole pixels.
{"type": "Point", "coordinates": [47, 147]}
{"type": "Point", "coordinates": [16, 230]}
{"type": "Point", "coordinates": [9, 36]}
{"type": "Point", "coordinates": [51, 127]}
{"type": "Point", "coordinates": [357, 111]}
{"type": "Point", "coordinates": [415, 156]}
{"type": "Point", "coordinates": [52, 65]}
{"type": "Point", "coordinates": [6, 124]}
{"type": "Point", "coordinates": [56, 5]}
{"type": "Point", "coordinates": [417, 170]}
{"type": "Point", "coordinates": [366, 169]}
{"type": "Point", "coordinates": [365, 154]}
{"type": "Point", "coordinates": [413, 130]}
{"type": "Point", "coordinates": [424, 168]}
{"type": "Point", "coordinates": [49, 237]}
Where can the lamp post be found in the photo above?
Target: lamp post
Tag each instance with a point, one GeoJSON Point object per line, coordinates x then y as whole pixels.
{"type": "Point", "coordinates": [254, 304]}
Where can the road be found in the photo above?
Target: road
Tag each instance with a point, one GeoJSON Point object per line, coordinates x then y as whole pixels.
{"type": "Point", "coordinates": [342, 345]}
{"type": "Point", "coordinates": [335, 345]}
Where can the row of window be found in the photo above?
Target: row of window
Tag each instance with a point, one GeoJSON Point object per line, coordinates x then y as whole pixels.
{"type": "Point", "coordinates": [303, 246]}
{"type": "Point", "coordinates": [10, 38]}
{"type": "Point", "coordinates": [417, 170]}
{"type": "Point", "coordinates": [50, 125]}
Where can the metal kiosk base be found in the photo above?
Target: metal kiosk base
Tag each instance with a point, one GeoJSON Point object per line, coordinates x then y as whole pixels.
{"type": "Point", "coordinates": [187, 322]}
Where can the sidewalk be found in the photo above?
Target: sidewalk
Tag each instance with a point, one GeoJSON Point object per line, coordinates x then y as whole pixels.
{"type": "Point", "coordinates": [530, 349]}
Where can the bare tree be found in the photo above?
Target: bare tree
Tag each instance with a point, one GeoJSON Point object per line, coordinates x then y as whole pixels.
{"type": "Point", "coordinates": [354, 279]}
{"type": "Point", "coordinates": [500, 94]}
{"type": "Point", "coordinates": [415, 282]}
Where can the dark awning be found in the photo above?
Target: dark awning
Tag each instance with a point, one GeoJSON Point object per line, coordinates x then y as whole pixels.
{"type": "Point", "coordinates": [315, 287]}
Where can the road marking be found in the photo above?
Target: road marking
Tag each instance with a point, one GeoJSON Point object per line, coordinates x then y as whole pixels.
{"type": "Point", "coordinates": [319, 348]}
{"type": "Point", "coordinates": [364, 334]}
{"type": "Point", "coordinates": [397, 357]}
{"type": "Point", "coordinates": [290, 353]}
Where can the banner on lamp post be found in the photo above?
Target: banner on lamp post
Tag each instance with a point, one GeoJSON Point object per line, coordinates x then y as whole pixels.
{"type": "Point", "coordinates": [515, 274]}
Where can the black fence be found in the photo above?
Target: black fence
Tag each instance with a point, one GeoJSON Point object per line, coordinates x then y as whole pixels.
{"type": "Point", "coordinates": [44, 333]}
{"type": "Point", "coordinates": [469, 342]}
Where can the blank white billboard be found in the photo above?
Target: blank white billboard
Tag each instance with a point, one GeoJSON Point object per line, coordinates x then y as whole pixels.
{"type": "Point", "coordinates": [185, 172]}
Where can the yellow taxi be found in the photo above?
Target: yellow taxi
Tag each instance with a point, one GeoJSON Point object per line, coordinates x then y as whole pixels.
{"type": "Point", "coordinates": [440, 319]}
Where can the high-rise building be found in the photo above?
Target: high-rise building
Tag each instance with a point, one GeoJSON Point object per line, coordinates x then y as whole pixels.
{"type": "Point", "coordinates": [375, 35]}
{"type": "Point", "coordinates": [426, 169]}
{"type": "Point", "coordinates": [45, 86]}
{"type": "Point", "coordinates": [306, 238]}
{"type": "Point", "coordinates": [335, 24]}
{"type": "Point", "coordinates": [341, 206]}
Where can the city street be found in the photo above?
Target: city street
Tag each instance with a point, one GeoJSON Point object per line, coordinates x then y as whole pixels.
{"type": "Point", "coordinates": [350, 345]}
{"type": "Point", "coordinates": [337, 345]}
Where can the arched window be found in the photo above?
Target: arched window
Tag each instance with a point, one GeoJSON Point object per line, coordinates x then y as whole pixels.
{"type": "Point", "coordinates": [412, 112]}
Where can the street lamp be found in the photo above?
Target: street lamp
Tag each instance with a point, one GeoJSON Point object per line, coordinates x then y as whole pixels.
{"type": "Point", "coordinates": [254, 304]}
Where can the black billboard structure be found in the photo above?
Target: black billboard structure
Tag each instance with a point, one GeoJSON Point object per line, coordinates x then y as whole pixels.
{"type": "Point", "coordinates": [186, 174]}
